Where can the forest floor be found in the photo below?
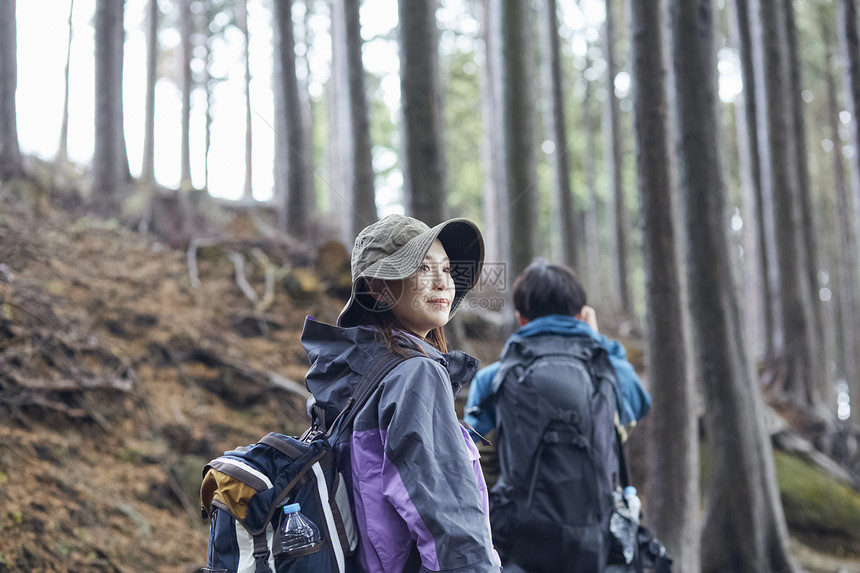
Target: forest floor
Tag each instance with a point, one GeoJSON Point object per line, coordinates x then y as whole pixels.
{"type": "Point", "coordinates": [121, 375]}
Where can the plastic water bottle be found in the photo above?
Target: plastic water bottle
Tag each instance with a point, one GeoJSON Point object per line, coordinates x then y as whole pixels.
{"type": "Point", "coordinates": [624, 521]}
{"type": "Point", "coordinates": [298, 532]}
{"type": "Point", "coordinates": [634, 504]}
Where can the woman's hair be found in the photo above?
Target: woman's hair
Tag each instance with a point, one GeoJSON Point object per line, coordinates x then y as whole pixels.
{"type": "Point", "coordinates": [543, 289]}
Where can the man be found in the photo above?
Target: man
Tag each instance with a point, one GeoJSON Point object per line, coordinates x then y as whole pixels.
{"type": "Point", "coordinates": [555, 398]}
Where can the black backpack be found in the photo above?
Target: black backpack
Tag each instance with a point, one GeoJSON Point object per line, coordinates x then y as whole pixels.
{"type": "Point", "coordinates": [560, 456]}
{"type": "Point", "coordinates": [244, 491]}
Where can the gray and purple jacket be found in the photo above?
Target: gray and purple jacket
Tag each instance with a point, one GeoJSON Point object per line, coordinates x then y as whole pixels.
{"type": "Point", "coordinates": [419, 496]}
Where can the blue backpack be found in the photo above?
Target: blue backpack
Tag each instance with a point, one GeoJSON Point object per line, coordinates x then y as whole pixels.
{"type": "Point", "coordinates": [244, 491]}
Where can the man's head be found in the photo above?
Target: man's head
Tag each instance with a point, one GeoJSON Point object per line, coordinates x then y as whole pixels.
{"type": "Point", "coordinates": [543, 289]}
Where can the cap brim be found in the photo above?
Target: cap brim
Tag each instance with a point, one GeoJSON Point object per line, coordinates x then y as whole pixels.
{"type": "Point", "coordinates": [463, 244]}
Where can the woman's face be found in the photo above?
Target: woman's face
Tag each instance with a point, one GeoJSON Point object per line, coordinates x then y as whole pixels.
{"type": "Point", "coordinates": [423, 301]}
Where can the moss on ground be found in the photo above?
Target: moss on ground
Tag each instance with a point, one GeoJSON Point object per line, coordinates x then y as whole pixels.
{"type": "Point", "coordinates": [820, 510]}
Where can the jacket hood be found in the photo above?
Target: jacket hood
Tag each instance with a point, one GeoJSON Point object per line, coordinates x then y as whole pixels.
{"type": "Point", "coordinates": [339, 357]}
{"type": "Point", "coordinates": [563, 325]}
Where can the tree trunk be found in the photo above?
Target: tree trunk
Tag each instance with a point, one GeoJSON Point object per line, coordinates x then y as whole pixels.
{"type": "Point", "coordinates": [63, 149]}
{"type": "Point", "coordinates": [796, 375]}
{"type": "Point", "coordinates": [297, 212]}
{"type": "Point", "coordinates": [850, 42]}
{"type": "Point", "coordinates": [674, 497]}
{"type": "Point", "coordinates": [592, 272]}
{"type": "Point", "coordinates": [362, 185]}
{"type": "Point", "coordinates": [518, 133]}
{"type": "Point", "coordinates": [185, 31]}
{"type": "Point", "coordinates": [248, 188]}
{"type": "Point", "coordinates": [10, 152]}
{"type": "Point", "coordinates": [338, 150]}
{"type": "Point", "coordinates": [424, 177]}
{"type": "Point", "coordinates": [847, 254]}
{"type": "Point", "coordinates": [564, 214]}
{"type": "Point", "coordinates": [108, 173]}
{"type": "Point", "coordinates": [810, 266]}
{"type": "Point", "coordinates": [612, 156]}
{"type": "Point", "coordinates": [744, 528]}
{"type": "Point", "coordinates": [762, 302]}
{"type": "Point", "coordinates": [147, 170]}
{"type": "Point", "coordinates": [491, 149]}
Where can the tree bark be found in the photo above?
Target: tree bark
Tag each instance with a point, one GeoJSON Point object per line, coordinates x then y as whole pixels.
{"type": "Point", "coordinates": [850, 42]}
{"type": "Point", "coordinates": [363, 191]}
{"type": "Point", "coordinates": [338, 150]}
{"type": "Point", "coordinates": [63, 149]}
{"type": "Point", "coordinates": [10, 152]}
{"type": "Point", "coordinates": [795, 374]}
{"type": "Point", "coordinates": [592, 272]}
{"type": "Point", "coordinates": [763, 302]}
{"type": "Point", "coordinates": [248, 189]}
{"type": "Point", "coordinates": [491, 148]}
{"type": "Point", "coordinates": [185, 31]}
{"type": "Point", "coordinates": [108, 171]}
{"type": "Point", "coordinates": [808, 234]}
{"type": "Point", "coordinates": [564, 213]}
{"type": "Point", "coordinates": [848, 310]}
{"type": "Point", "coordinates": [612, 155]}
{"type": "Point", "coordinates": [424, 175]}
{"type": "Point", "coordinates": [518, 133]}
{"type": "Point", "coordinates": [297, 213]}
{"type": "Point", "coordinates": [674, 497]}
{"type": "Point", "coordinates": [744, 528]}
{"type": "Point", "coordinates": [147, 170]}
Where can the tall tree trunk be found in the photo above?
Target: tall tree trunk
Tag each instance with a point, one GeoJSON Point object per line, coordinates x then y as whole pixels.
{"type": "Point", "coordinates": [10, 152]}
{"type": "Point", "coordinates": [338, 150]}
{"type": "Point", "coordinates": [674, 497]}
{"type": "Point", "coordinates": [518, 133]}
{"type": "Point", "coordinates": [744, 528]}
{"type": "Point", "coordinates": [564, 215]}
{"type": "Point", "coordinates": [307, 107]}
{"type": "Point", "coordinates": [185, 31]}
{"type": "Point", "coordinates": [147, 170]}
{"type": "Point", "coordinates": [108, 172]}
{"type": "Point", "coordinates": [424, 177]}
{"type": "Point", "coordinates": [850, 42]}
{"type": "Point", "coordinates": [297, 212]}
{"type": "Point", "coordinates": [796, 372]}
{"type": "Point", "coordinates": [612, 157]}
{"type": "Point", "coordinates": [807, 209]}
{"type": "Point", "coordinates": [63, 149]}
{"type": "Point", "coordinates": [207, 113]}
{"type": "Point", "coordinates": [848, 310]}
{"type": "Point", "coordinates": [363, 191]}
{"type": "Point", "coordinates": [491, 150]}
{"type": "Point", "coordinates": [248, 189]}
{"type": "Point", "coordinates": [592, 272]}
{"type": "Point", "coordinates": [762, 302]}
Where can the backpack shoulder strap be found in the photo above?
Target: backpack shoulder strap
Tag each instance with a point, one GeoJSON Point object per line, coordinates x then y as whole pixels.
{"type": "Point", "coordinates": [379, 369]}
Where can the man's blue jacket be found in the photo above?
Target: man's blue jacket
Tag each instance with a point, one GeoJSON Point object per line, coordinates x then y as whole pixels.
{"type": "Point", "coordinates": [634, 400]}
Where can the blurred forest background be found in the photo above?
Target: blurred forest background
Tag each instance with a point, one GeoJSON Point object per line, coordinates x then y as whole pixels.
{"type": "Point", "coordinates": [181, 182]}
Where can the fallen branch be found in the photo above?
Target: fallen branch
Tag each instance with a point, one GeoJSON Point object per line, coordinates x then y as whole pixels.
{"type": "Point", "coordinates": [269, 269]}
{"type": "Point", "coordinates": [241, 281]}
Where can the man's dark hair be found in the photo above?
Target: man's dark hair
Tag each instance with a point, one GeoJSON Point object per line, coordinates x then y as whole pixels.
{"type": "Point", "coordinates": [543, 289]}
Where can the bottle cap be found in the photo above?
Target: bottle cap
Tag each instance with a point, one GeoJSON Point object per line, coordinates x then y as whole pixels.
{"type": "Point", "coordinates": [629, 490]}
{"type": "Point", "coordinates": [292, 508]}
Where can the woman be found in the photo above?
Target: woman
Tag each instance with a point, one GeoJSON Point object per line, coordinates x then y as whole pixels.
{"type": "Point", "coordinates": [419, 495]}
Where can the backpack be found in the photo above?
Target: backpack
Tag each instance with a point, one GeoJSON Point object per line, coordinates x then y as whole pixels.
{"type": "Point", "coordinates": [560, 456]}
{"type": "Point", "coordinates": [244, 491]}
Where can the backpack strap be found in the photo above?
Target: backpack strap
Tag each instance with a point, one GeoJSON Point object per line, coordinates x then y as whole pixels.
{"type": "Point", "coordinates": [379, 369]}
{"type": "Point", "coordinates": [261, 553]}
